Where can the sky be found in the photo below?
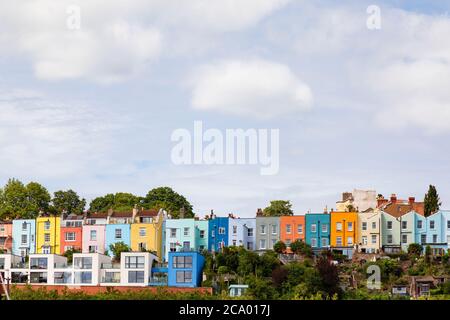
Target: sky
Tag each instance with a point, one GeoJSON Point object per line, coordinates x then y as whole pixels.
{"type": "Point", "coordinates": [93, 108]}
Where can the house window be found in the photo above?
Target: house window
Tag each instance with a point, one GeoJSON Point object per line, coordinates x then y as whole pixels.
{"type": "Point", "coordinates": [146, 219]}
{"type": "Point", "coordinates": [24, 226]}
{"type": "Point", "coordinates": [324, 228]}
{"type": "Point", "coordinates": [404, 224]}
{"type": "Point", "coordinates": [186, 232]}
{"type": "Point", "coordinates": [70, 236]}
{"type": "Point", "coordinates": [350, 226]}
{"type": "Point", "coordinates": [173, 246]}
{"type": "Point", "coordinates": [288, 229]}
{"type": "Point", "coordinates": [142, 232]}
{"type": "Point", "coordinates": [313, 227]}
{"type": "Point", "coordinates": [338, 226]}
{"type": "Point", "coordinates": [184, 276]}
{"type": "Point", "coordinates": [389, 225]}
{"type": "Point", "coordinates": [46, 250]}
{"type": "Point", "coordinates": [93, 249]}
{"type": "Point", "coordinates": [448, 224]}
{"type": "Point", "coordinates": [47, 225]}
{"type": "Point", "coordinates": [364, 240]}
{"type": "Point", "coordinates": [435, 238]}
{"type": "Point", "coordinates": [389, 238]}
{"type": "Point", "coordinates": [339, 241]}
{"type": "Point", "coordinates": [432, 224]}
{"type": "Point", "coordinates": [423, 238]}
{"type": "Point", "coordinates": [250, 232]}
{"type": "Point", "coordinates": [136, 277]}
{"type": "Point", "coordinates": [234, 242]}
{"type": "Point", "coordinates": [118, 234]}
{"type": "Point", "coordinates": [404, 238]}
{"type": "Point", "coordinates": [134, 262]}
{"type": "Point", "coordinates": [82, 263]}
{"type": "Point", "coordinates": [364, 226]}
{"type": "Point", "coordinates": [234, 229]}
{"type": "Point", "coordinates": [142, 246]}
{"type": "Point", "coordinates": [324, 242]}
{"type": "Point", "coordinates": [201, 248]}
{"type": "Point", "coordinates": [374, 239]}
{"type": "Point", "coordinates": [314, 242]}
{"type": "Point", "coordinates": [263, 229]}
{"type": "Point", "coordinates": [202, 234]}
{"type": "Point", "coordinates": [173, 233]}
{"type": "Point", "coordinates": [213, 234]}
{"type": "Point", "coordinates": [93, 235]}
{"type": "Point", "coordinates": [46, 237]}
{"type": "Point", "coordinates": [273, 241]}
{"type": "Point", "coordinates": [419, 224]}
{"type": "Point", "coordinates": [300, 229]}
{"type": "Point", "coordinates": [23, 239]}
{"type": "Point", "coordinates": [274, 229]}
{"type": "Point", "coordinates": [249, 245]}
{"type": "Point", "coordinates": [182, 262]}
{"type": "Point", "coordinates": [221, 230]}
{"type": "Point", "coordinates": [262, 244]}
{"type": "Point", "coordinates": [374, 225]}
{"type": "Point", "coordinates": [38, 263]}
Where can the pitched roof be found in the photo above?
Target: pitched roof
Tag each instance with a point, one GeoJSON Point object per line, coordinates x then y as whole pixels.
{"type": "Point", "coordinates": [147, 213]}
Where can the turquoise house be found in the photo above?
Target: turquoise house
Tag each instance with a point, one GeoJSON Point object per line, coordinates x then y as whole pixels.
{"type": "Point", "coordinates": [24, 237]}
{"type": "Point", "coordinates": [420, 230]}
{"type": "Point", "coordinates": [185, 235]}
{"type": "Point", "coordinates": [317, 230]}
{"type": "Point", "coordinates": [436, 235]}
{"type": "Point", "coordinates": [117, 233]}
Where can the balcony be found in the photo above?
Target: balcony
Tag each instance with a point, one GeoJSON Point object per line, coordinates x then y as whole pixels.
{"type": "Point", "coordinates": [110, 266]}
{"type": "Point", "coordinates": [158, 280]}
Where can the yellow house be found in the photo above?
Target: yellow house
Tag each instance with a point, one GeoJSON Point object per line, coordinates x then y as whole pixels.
{"type": "Point", "coordinates": [48, 230]}
{"type": "Point", "coordinates": [344, 229]}
{"type": "Point", "coordinates": [146, 231]}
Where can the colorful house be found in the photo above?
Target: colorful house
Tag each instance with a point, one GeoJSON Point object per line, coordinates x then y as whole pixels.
{"type": "Point", "coordinates": [217, 233]}
{"type": "Point", "coordinates": [241, 232]}
{"type": "Point", "coordinates": [72, 233]}
{"type": "Point", "coordinates": [185, 269]}
{"type": "Point", "coordinates": [436, 235]}
{"type": "Point", "coordinates": [114, 233]}
{"type": "Point", "coordinates": [185, 235]}
{"type": "Point", "coordinates": [292, 228]}
{"type": "Point", "coordinates": [24, 237]}
{"type": "Point", "coordinates": [390, 232]}
{"type": "Point", "coordinates": [369, 234]}
{"type": "Point", "coordinates": [420, 229]}
{"type": "Point", "coordinates": [267, 232]}
{"type": "Point", "coordinates": [407, 229]}
{"type": "Point", "coordinates": [344, 232]}
{"type": "Point", "coordinates": [93, 233]}
{"type": "Point", "coordinates": [446, 227]}
{"type": "Point", "coordinates": [48, 233]}
{"type": "Point", "coordinates": [317, 230]}
{"type": "Point", "coordinates": [6, 236]}
{"type": "Point", "coordinates": [146, 231]}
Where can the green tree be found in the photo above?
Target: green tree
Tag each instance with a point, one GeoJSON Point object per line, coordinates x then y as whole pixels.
{"type": "Point", "coordinates": [102, 204]}
{"type": "Point", "coordinates": [300, 247]}
{"type": "Point", "coordinates": [167, 199]}
{"type": "Point", "coordinates": [38, 199]}
{"type": "Point", "coordinates": [120, 201]}
{"type": "Point", "coordinates": [431, 201]}
{"type": "Point", "coordinates": [278, 208]}
{"type": "Point", "coordinates": [329, 275]}
{"type": "Point", "coordinates": [68, 202]}
{"type": "Point", "coordinates": [13, 200]}
{"type": "Point", "coordinates": [69, 254]}
{"type": "Point", "coordinates": [279, 247]}
{"type": "Point", "coordinates": [415, 249]}
{"type": "Point", "coordinates": [117, 248]}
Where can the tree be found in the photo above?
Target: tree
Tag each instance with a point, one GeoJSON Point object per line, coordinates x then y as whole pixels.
{"type": "Point", "coordinates": [69, 254]}
{"type": "Point", "coordinates": [300, 247]}
{"type": "Point", "coordinates": [38, 199]}
{"type": "Point", "coordinates": [167, 199]}
{"type": "Point", "coordinates": [278, 208]}
{"type": "Point", "coordinates": [68, 202]}
{"type": "Point", "coordinates": [279, 247]}
{"type": "Point", "coordinates": [415, 249]}
{"type": "Point", "coordinates": [329, 275]}
{"type": "Point", "coordinates": [117, 248]}
{"type": "Point", "coordinates": [120, 201]}
{"type": "Point", "coordinates": [431, 201]}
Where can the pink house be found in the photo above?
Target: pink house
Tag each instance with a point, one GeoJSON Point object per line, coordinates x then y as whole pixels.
{"type": "Point", "coordinates": [6, 236]}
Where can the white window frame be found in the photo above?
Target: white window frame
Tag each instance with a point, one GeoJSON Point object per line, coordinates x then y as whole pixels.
{"type": "Point", "coordinates": [93, 235]}
{"type": "Point", "coordinates": [338, 226]}
{"type": "Point", "coordinates": [142, 231]}
{"type": "Point", "coordinates": [67, 238]}
{"type": "Point", "coordinates": [262, 244]}
{"type": "Point", "coordinates": [288, 229]}
{"type": "Point", "coordinates": [117, 232]}
{"type": "Point", "coordinates": [313, 227]}
{"type": "Point", "coordinates": [262, 229]}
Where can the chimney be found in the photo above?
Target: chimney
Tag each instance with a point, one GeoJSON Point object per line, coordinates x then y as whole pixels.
{"type": "Point", "coordinates": [411, 200]}
{"type": "Point", "coordinates": [259, 212]}
{"type": "Point", "coordinates": [393, 198]}
{"type": "Point", "coordinates": [135, 212]}
{"type": "Point", "coordinates": [182, 211]}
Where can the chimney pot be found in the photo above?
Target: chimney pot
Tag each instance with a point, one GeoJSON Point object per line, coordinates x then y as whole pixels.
{"type": "Point", "coordinates": [393, 197]}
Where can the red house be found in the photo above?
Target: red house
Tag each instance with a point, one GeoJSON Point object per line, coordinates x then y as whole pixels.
{"type": "Point", "coordinates": [72, 233]}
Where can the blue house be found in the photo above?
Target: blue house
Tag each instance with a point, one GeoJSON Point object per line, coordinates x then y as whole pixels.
{"type": "Point", "coordinates": [185, 269]}
{"type": "Point", "coordinates": [117, 233]}
{"type": "Point", "coordinates": [317, 230]}
{"type": "Point", "coordinates": [436, 235]}
{"type": "Point", "coordinates": [218, 233]}
{"type": "Point", "coordinates": [24, 237]}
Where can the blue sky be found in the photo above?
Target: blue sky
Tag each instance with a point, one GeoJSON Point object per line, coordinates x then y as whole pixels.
{"type": "Point", "coordinates": [93, 109]}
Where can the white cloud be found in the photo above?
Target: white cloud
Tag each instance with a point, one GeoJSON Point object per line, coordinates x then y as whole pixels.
{"type": "Point", "coordinates": [116, 40]}
{"type": "Point", "coordinates": [257, 88]}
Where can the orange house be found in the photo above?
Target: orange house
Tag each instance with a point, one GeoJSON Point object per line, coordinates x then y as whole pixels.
{"type": "Point", "coordinates": [344, 229]}
{"type": "Point", "coordinates": [292, 228]}
{"type": "Point", "coordinates": [71, 233]}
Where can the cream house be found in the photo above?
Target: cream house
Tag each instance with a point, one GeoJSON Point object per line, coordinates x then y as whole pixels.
{"type": "Point", "coordinates": [370, 231]}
